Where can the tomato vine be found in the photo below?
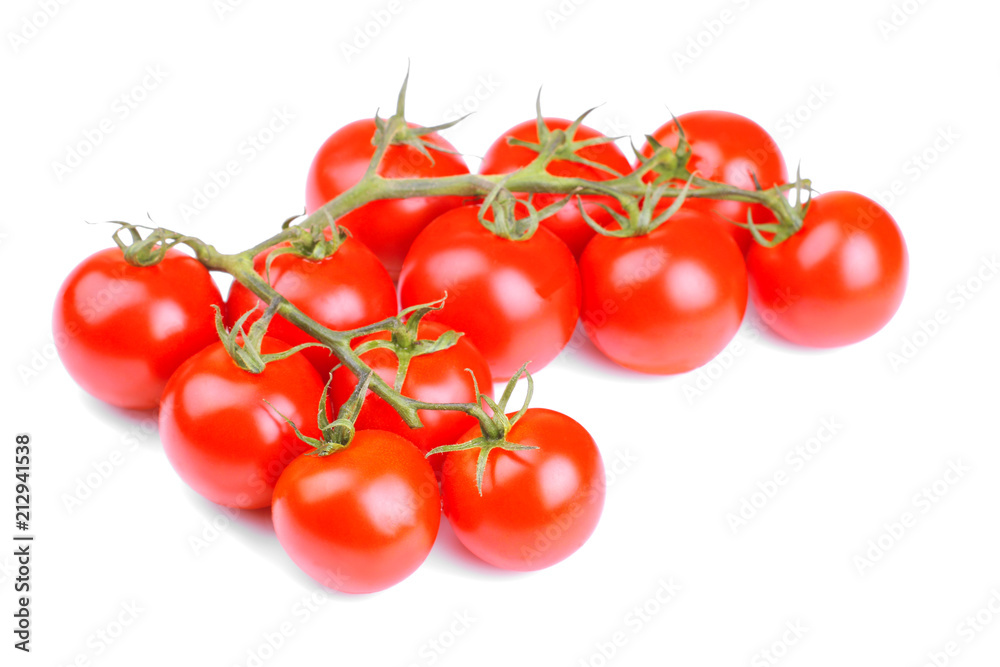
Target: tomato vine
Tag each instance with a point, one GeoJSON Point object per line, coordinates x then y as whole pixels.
{"type": "Point", "coordinates": [662, 174]}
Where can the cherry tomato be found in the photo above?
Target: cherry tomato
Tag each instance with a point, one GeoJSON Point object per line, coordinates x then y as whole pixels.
{"type": "Point", "coordinates": [221, 437]}
{"type": "Point", "coordinates": [439, 377]}
{"type": "Point", "coordinates": [537, 506]}
{"type": "Point", "coordinates": [122, 330]}
{"type": "Point", "coordinates": [517, 301]}
{"type": "Point", "coordinates": [360, 519]}
{"type": "Point", "coordinates": [727, 148]}
{"type": "Point", "coordinates": [389, 226]}
{"type": "Point", "coordinates": [838, 280]}
{"type": "Point", "coordinates": [346, 290]}
{"type": "Point", "coordinates": [567, 224]}
{"type": "Point", "coordinates": [666, 302]}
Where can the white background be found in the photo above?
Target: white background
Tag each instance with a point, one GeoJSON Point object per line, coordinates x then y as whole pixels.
{"type": "Point", "coordinates": [684, 461]}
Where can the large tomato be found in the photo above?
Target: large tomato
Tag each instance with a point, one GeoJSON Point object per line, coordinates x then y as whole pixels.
{"type": "Point", "coordinates": [568, 224]}
{"type": "Point", "coordinates": [439, 377]}
{"type": "Point", "coordinates": [517, 301]}
{"type": "Point", "coordinates": [731, 149]}
{"type": "Point", "coordinates": [389, 226]}
{"type": "Point", "coordinates": [360, 519]}
{"type": "Point", "coordinates": [668, 301]}
{"type": "Point", "coordinates": [836, 281]}
{"type": "Point", "coordinates": [537, 506]}
{"type": "Point", "coordinates": [122, 330]}
{"type": "Point", "coordinates": [221, 437]}
{"type": "Point", "coordinates": [348, 289]}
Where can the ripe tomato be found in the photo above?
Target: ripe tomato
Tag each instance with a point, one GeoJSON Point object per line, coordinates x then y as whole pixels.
{"type": "Point", "coordinates": [343, 291]}
{"type": "Point", "coordinates": [360, 519]}
{"type": "Point", "coordinates": [666, 302]}
{"type": "Point", "coordinates": [727, 148]}
{"type": "Point", "coordinates": [517, 301]}
{"type": "Point", "coordinates": [221, 437]}
{"type": "Point", "coordinates": [439, 377]}
{"type": "Point", "coordinates": [389, 226]}
{"type": "Point", "coordinates": [838, 280]}
{"type": "Point", "coordinates": [537, 506]}
{"type": "Point", "coordinates": [122, 330]}
{"type": "Point", "coordinates": [567, 224]}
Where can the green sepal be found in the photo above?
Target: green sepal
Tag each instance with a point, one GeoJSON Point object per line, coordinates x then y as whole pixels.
{"type": "Point", "coordinates": [403, 134]}
{"type": "Point", "coordinates": [147, 251]}
{"type": "Point", "coordinates": [505, 223]}
{"type": "Point", "coordinates": [248, 355]}
{"type": "Point", "coordinates": [646, 220]}
{"type": "Point", "coordinates": [498, 426]}
{"type": "Point", "coordinates": [338, 434]}
{"type": "Point", "coordinates": [561, 144]}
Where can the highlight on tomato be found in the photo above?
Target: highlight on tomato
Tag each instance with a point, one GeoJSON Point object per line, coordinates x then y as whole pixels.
{"type": "Point", "coordinates": [836, 281]}
{"type": "Point", "coordinates": [122, 330]}
{"type": "Point", "coordinates": [223, 427]}
{"type": "Point", "coordinates": [596, 158]}
{"type": "Point", "coordinates": [731, 149]}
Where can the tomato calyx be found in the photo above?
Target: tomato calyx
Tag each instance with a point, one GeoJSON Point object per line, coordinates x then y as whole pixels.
{"type": "Point", "coordinates": [404, 341]}
{"type": "Point", "coordinates": [641, 219]}
{"type": "Point", "coordinates": [339, 433]}
{"type": "Point", "coordinates": [562, 144]}
{"type": "Point", "coordinates": [494, 426]}
{"type": "Point", "coordinates": [669, 164]}
{"type": "Point", "coordinates": [313, 244]}
{"type": "Point", "coordinates": [504, 222]}
{"type": "Point", "coordinates": [245, 348]}
{"type": "Point", "coordinates": [396, 131]}
{"type": "Point", "coordinates": [146, 251]}
{"type": "Point", "coordinates": [790, 216]}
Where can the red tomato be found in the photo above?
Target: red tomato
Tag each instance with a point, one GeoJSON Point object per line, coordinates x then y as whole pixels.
{"type": "Point", "coordinates": [666, 302]}
{"type": "Point", "coordinates": [221, 437]}
{"type": "Point", "coordinates": [567, 224]}
{"type": "Point", "coordinates": [346, 290]}
{"type": "Point", "coordinates": [727, 148]}
{"type": "Point", "coordinates": [838, 280]}
{"type": "Point", "coordinates": [517, 301]}
{"type": "Point", "coordinates": [360, 519]}
{"type": "Point", "coordinates": [389, 226]}
{"type": "Point", "coordinates": [439, 377]}
{"type": "Point", "coordinates": [538, 506]}
{"type": "Point", "coordinates": [122, 330]}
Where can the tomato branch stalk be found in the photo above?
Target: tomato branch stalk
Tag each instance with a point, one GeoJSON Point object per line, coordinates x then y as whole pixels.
{"type": "Point", "coordinates": [673, 180]}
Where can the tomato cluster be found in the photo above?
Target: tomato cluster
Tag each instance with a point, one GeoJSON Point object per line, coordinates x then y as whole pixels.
{"type": "Point", "coordinates": [356, 502]}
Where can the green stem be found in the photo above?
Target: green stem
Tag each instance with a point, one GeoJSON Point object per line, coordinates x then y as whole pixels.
{"type": "Point", "coordinates": [531, 179]}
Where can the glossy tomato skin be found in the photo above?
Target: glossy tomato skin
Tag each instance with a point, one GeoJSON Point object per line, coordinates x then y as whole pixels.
{"type": "Point", "coordinates": [361, 519]}
{"type": "Point", "coordinates": [387, 227]}
{"type": "Point", "coordinates": [667, 302]}
{"type": "Point", "coordinates": [346, 290]}
{"type": "Point", "coordinates": [440, 377]}
{"type": "Point", "coordinates": [221, 437]}
{"type": "Point", "coordinates": [517, 301]}
{"type": "Point", "coordinates": [838, 280]}
{"type": "Point", "coordinates": [728, 148]}
{"type": "Point", "coordinates": [122, 330]}
{"type": "Point", "coordinates": [568, 224]}
{"type": "Point", "coordinates": [538, 506]}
